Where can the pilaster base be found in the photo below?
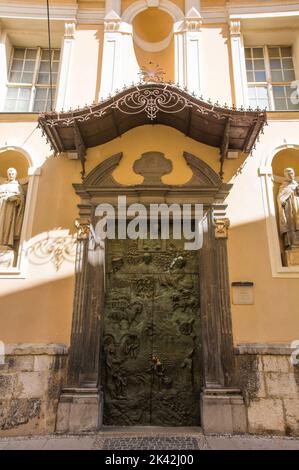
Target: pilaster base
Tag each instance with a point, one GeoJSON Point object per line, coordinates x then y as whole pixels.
{"type": "Point", "coordinates": [223, 411]}
{"type": "Point", "coordinates": [79, 410]}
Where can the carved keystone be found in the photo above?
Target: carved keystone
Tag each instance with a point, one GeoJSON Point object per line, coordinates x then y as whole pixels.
{"type": "Point", "coordinates": [152, 166]}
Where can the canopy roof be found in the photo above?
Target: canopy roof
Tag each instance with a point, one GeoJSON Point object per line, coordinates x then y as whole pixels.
{"type": "Point", "coordinates": [153, 103]}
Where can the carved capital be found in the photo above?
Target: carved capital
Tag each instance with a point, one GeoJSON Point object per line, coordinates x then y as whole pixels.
{"type": "Point", "coordinates": [221, 228]}
{"type": "Point", "coordinates": [235, 28]}
{"type": "Point", "coordinates": [112, 25]}
{"type": "Point", "coordinates": [69, 30]}
{"type": "Point", "coordinates": [83, 229]}
{"type": "Point", "coordinates": [193, 24]}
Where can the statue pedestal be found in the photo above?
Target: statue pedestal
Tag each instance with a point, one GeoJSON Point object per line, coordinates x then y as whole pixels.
{"type": "Point", "coordinates": [6, 258]}
{"type": "Point", "coordinates": [292, 257]}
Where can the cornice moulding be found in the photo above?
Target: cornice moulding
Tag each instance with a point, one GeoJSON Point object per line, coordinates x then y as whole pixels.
{"type": "Point", "coordinates": [33, 11]}
{"type": "Point", "coordinates": [91, 15]}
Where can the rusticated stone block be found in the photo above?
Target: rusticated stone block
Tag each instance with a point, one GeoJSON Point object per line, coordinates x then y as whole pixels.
{"type": "Point", "coordinates": [291, 407]}
{"type": "Point", "coordinates": [42, 362]}
{"type": "Point", "coordinates": [21, 363]}
{"type": "Point", "coordinates": [20, 412]}
{"type": "Point", "coordinates": [276, 363]}
{"type": "Point", "coordinates": [32, 384]}
{"type": "Point", "coordinates": [281, 384]}
{"type": "Point", "coordinates": [7, 385]}
{"type": "Point", "coordinates": [265, 415]}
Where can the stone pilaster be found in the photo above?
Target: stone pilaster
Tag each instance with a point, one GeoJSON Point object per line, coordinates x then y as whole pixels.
{"type": "Point", "coordinates": [65, 60]}
{"type": "Point", "coordinates": [238, 61]}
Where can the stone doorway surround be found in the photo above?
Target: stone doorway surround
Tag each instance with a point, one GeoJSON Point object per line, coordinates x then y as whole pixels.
{"type": "Point", "coordinates": [222, 405]}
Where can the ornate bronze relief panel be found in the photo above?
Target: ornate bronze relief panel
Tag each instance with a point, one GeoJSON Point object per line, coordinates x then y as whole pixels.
{"type": "Point", "coordinates": [151, 334]}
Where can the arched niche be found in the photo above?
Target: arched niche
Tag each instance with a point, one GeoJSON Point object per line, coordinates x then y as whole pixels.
{"type": "Point", "coordinates": [15, 159]}
{"type": "Point", "coordinates": [154, 40]}
{"type": "Point", "coordinates": [153, 33]}
{"type": "Point", "coordinates": [285, 158]}
{"type": "Point", "coordinates": [12, 264]}
{"type": "Point", "coordinates": [285, 155]}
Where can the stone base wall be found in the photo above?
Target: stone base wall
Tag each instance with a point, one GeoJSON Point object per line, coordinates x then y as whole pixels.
{"type": "Point", "coordinates": [270, 384]}
{"type": "Point", "coordinates": [31, 379]}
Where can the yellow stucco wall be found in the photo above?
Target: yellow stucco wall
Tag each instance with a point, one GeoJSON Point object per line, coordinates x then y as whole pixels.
{"type": "Point", "coordinates": [39, 308]}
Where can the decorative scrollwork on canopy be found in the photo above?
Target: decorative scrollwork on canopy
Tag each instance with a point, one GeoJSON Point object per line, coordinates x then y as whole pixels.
{"type": "Point", "coordinates": [149, 99]}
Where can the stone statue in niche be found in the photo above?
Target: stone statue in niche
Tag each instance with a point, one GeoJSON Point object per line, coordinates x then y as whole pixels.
{"type": "Point", "coordinates": [12, 206]}
{"type": "Point", "coordinates": [288, 212]}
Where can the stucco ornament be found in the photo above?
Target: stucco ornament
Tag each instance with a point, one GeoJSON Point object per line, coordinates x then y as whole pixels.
{"type": "Point", "coordinates": [288, 209]}
{"type": "Point", "coordinates": [221, 228]}
{"type": "Point", "coordinates": [12, 205]}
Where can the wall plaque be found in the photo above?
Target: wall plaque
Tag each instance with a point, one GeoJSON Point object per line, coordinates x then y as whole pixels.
{"type": "Point", "coordinates": [243, 293]}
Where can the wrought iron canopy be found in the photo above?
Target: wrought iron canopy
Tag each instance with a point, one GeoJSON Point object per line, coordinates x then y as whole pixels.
{"type": "Point", "coordinates": [153, 103]}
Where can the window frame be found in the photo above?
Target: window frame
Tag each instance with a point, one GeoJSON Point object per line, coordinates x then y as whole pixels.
{"type": "Point", "coordinates": [34, 85]}
{"type": "Point", "coordinates": [269, 83]}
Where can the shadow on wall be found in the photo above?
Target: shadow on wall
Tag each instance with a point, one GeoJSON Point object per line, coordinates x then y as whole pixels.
{"type": "Point", "coordinates": [274, 315]}
{"type": "Point", "coordinates": [38, 314]}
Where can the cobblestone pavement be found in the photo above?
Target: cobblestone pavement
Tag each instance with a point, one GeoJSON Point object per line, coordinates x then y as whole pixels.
{"type": "Point", "coordinates": [150, 439]}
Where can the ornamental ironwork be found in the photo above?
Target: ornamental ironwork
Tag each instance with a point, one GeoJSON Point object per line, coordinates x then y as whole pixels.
{"type": "Point", "coordinates": [166, 98]}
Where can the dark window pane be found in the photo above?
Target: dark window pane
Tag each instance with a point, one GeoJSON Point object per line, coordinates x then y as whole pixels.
{"type": "Point", "coordinates": [56, 54]}
{"type": "Point", "coordinates": [280, 104]}
{"type": "Point", "coordinates": [31, 54]}
{"type": "Point", "coordinates": [41, 93]}
{"type": "Point", "coordinates": [293, 104]}
{"type": "Point", "coordinates": [289, 75]}
{"type": "Point", "coordinates": [19, 53]}
{"type": "Point", "coordinates": [29, 66]}
{"type": "Point", "coordinates": [286, 51]}
{"type": "Point", "coordinates": [39, 106]}
{"type": "Point", "coordinates": [247, 52]}
{"type": "Point", "coordinates": [260, 76]}
{"type": "Point", "coordinates": [17, 65]}
{"type": "Point", "coordinates": [250, 77]}
{"type": "Point", "coordinates": [27, 77]}
{"type": "Point", "coordinates": [259, 64]}
{"type": "Point", "coordinates": [45, 54]}
{"type": "Point", "coordinates": [258, 52]}
{"type": "Point", "coordinates": [287, 63]}
{"type": "Point", "coordinates": [55, 66]}
{"type": "Point", "coordinates": [15, 77]}
{"type": "Point", "coordinates": [277, 76]}
{"type": "Point", "coordinates": [249, 65]}
{"type": "Point", "coordinates": [273, 51]}
{"type": "Point", "coordinates": [43, 78]}
{"type": "Point", "coordinates": [278, 91]}
{"type": "Point", "coordinates": [275, 64]}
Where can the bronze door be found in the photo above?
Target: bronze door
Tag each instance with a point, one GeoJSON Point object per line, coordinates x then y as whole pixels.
{"type": "Point", "coordinates": [151, 334]}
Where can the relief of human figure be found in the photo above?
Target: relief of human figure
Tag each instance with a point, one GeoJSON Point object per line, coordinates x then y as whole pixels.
{"type": "Point", "coordinates": [288, 209]}
{"type": "Point", "coordinates": [12, 205]}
